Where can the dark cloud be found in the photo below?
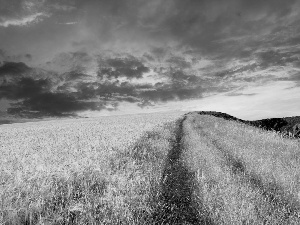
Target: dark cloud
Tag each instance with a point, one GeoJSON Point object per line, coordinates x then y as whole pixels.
{"type": "Point", "coordinates": [86, 90]}
{"type": "Point", "coordinates": [181, 87]}
{"type": "Point", "coordinates": [159, 52]}
{"type": "Point", "coordinates": [74, 75]}
{"type": "Point", "coordinates": [14, 68]}
{"type": "Point", "coordinates": [36, 99]}
{"type": "Point", "coordinates": [57, 103]}
{"type": "Point", "coordinates": [2, 54]}
{"type": "Point", "coordinates": [53, 104]}
{"type": "Point", "coordinates": [28, 56]}
{"type": "Point", "coordinates": [205, 24]}
{"type": "Point", "coordinates": [109, 89]}
{"type": "Point", "coordinates": [148, 57]}
{"type": "Point", "coordinates": [23, 88]}
{"type": "Point", "coordinates": [182, 42]}
{"type": "Point", "coordinates": [179, 62]}
{"type": "Point", "coordinates": [129, 67]}
{"type": "Point", "coordinates": [10, 8]}
{"type": "Point", "coordinates": [48, 97]}
{"type": "Point", "coordinates": [276, 58]}
{"type": "Point", "coordinates": [236, 71]}
{"type": "Point", "coordinates": [71, 61]}
{"type": "Point", "coordinates": [179, 77]}
{"type": "Point", "coordinates": [4, 57]}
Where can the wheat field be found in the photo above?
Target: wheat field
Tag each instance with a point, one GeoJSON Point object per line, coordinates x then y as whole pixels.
{"type": "Point", "coordinates": [163, 168]}
{"type": "Point", "coordinates": [243, 175]}
{"type": "Point", "coordinates": [82, 171]}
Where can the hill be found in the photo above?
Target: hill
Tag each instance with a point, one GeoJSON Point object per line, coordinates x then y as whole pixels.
{"type": "Point", "coordinates": [282, 125]}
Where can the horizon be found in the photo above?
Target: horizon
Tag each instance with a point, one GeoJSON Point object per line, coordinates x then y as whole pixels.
{"type": "Point", "coordinates": [98, 58]}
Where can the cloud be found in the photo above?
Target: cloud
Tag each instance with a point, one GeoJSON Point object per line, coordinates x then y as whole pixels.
{"type": "Point", "coordinates": [170, 93]}
{"type": "Point", "coordinates": [179, 86]}
{"type": "Point", "coordinates": [14, 68]}
{"type": "Point", "coordinates": [276, 58]}
{"type": "Point", "coordinates": [129, 67]}
{"type": "Point", "coordinates": [148, 57]}
{"type": "Point", "coordinates": [28, 56]}
{"type": "Point", "coordinates": [28, 12]}
{"type": "Point", "coordinates": [23, 21]}
{"type": "Point", "coordinates": [179, 62]}
{"type": "Point", "coordinates": [69, 23]}
{"type": "Point", "coordinates": [35, 98]}
{"type": "Point", "coordinates": [5, 57]}
{"type": "Point", "coordinates": [232, 72]}
{"type": "Point", "coordinates": [71, 61]}
{"type": "Point", "coordinates": [145, 103]}
{"type": "Point", "coordinates": [10, 8]}
{"type": "Point", "coordinates": [2, 55]}
{"type": "Point", "coordinates": [295, 77]}
{"type": "Point", "coordinates": [111, 90]}
{"type": "Point", "coordinates": [74, 75]}
{"type": "Point", "coordinates": [59, 6]}
{"type": "Point", "coordinates": [146, 52]}
{"type": "Point", "coordinates": [23, 88]}
{"type": "Point", "coordinates": [159, 52]}
{"type": "Point", "coordinates": [240, 94]}
{"type": "Point", "coordinates": [55, 103]}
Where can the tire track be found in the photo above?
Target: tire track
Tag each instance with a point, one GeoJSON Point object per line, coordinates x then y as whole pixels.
{"type": "Point", "coordinates": [271, 192]}
{"type": "Point", "coordinates": [178, 206]}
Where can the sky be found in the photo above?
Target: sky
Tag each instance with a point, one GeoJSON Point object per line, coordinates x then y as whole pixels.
{"type": "Point", "coordinates": [110, 57]}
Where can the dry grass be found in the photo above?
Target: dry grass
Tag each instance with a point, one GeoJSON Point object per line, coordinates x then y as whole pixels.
{"type": "Point", "coordinates": [108, 171]}
{"type": "Point", "coordinates": [83, 171]}
{"type": "Point", "coordinates": [244, 175]}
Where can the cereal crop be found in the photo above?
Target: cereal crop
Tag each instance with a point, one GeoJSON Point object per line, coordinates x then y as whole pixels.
{"type": "Point", "coordinates": [82, 171]}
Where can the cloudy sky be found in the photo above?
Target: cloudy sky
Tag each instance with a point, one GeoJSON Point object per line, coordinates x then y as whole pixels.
{"type": "Point", "coordinates": [107, 57]}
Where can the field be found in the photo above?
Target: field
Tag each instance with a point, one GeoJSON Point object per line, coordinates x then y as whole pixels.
{"type": "Point", "coordinates": [82, 171]}
{"type": "Point", "coordinates": [165, 168]}
{"type": "Point", "coordinates": [243, 175]}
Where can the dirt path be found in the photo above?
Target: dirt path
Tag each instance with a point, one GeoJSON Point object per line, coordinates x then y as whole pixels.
{"type": "Point", "coordinates": [228, 192]}
{"type": "Point", "coordinates": [178, 206]}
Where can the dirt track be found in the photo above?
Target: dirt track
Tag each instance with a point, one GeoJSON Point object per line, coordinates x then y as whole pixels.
{"type": "Point", "coordinates": [178, 206]}
{"type": "Point", "coordinates": [179, 184]}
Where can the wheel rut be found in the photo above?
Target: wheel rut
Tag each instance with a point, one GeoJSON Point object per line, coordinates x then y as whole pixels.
{"type": "Point", "coordinates": [273, 193]}
{"type": "Point", "coordinates": [178, 206]}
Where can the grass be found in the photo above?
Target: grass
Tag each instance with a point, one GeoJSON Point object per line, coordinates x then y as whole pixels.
{"type": "Point", "coordinates": [200, 170]}
{"type": "Point", "coordinates": [243, 175]}
{"type": "Point", "coordinates": [100, 186]}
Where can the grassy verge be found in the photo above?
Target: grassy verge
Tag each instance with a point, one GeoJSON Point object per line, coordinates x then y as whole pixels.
{"type": "Point", "coordinates": [125, 191]}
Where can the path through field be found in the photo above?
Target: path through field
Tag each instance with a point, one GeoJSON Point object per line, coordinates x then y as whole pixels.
{"type": "Point", "coordinates": [205, 181]}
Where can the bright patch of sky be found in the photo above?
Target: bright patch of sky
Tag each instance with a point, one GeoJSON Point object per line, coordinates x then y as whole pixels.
{"type": "Point", "coordinates": [25, 21]}
{"type": "Point", "coordinates": [277, 99]}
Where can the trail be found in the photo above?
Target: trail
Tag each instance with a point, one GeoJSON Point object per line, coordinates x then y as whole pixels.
{"type": "Point", "coordinates": [271, 204]}
{"type": "Point", "coordinates": [228, 188]}
{"type": "Point", "coordinates": [178, 184]}
{"type": "Point", "coordinates": [271, 192]}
